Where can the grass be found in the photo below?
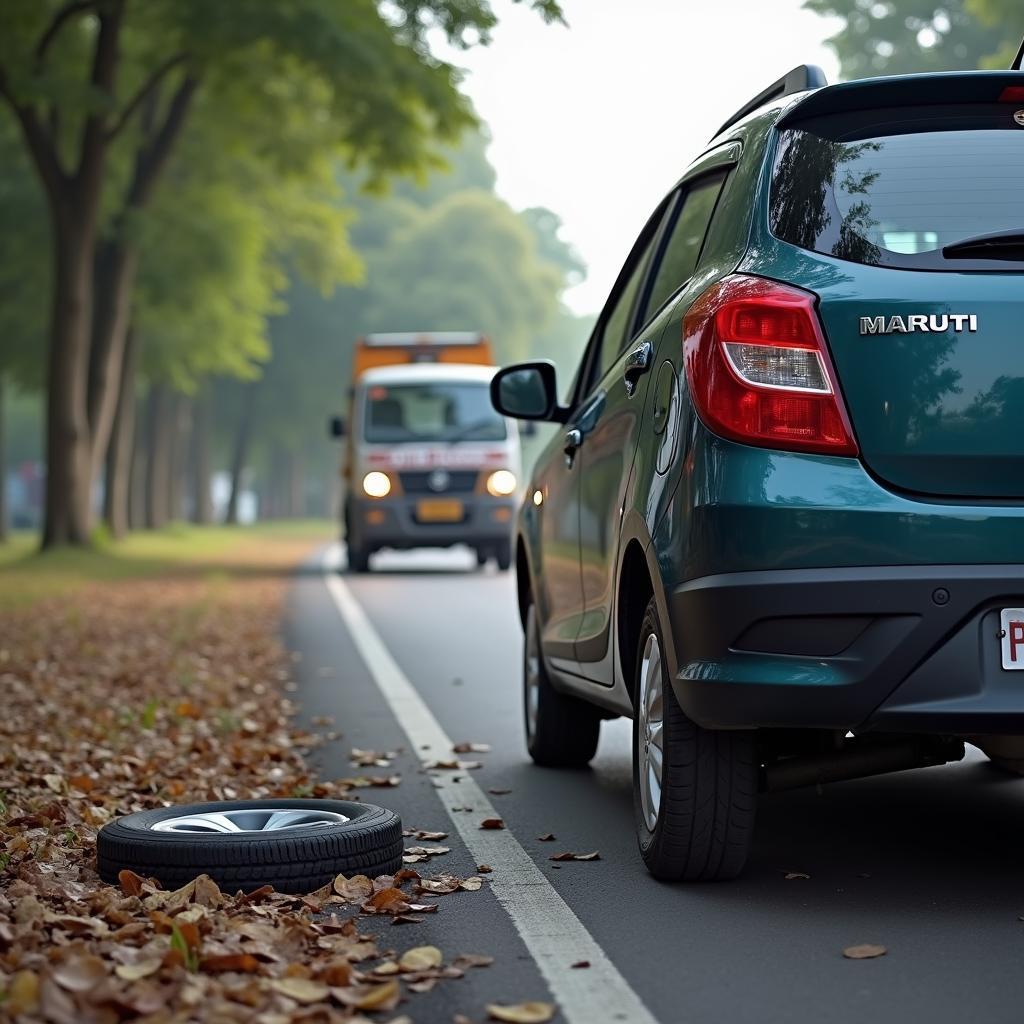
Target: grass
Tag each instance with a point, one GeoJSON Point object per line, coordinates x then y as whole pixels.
{"type": "Point", "coordinates": [26, 574]}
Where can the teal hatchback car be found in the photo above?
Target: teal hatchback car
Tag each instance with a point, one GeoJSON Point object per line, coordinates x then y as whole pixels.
{"type": "Point", "coordinates": [782, 526]}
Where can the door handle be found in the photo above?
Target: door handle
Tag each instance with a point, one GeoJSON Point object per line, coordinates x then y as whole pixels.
{"type": "Point", "coordinates": [573, 440]}
{"type": "Point", "coordinates": [638, 362]}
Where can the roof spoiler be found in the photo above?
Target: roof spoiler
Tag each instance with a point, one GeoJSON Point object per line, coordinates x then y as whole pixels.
{"type": "Point", "coordinates": [1019, 59]}
{"type": "Point", "coordinates": [903, 91]}
{"type": "Point", "coordinates": [801, 79]}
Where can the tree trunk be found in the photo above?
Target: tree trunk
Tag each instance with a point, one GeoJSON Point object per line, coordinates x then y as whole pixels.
{"type": "Point", "coordinates": [137, 484]}
{"type": "Point", "coordinates": [202, 503]}
{"type": "Point", "coordinates": [68, 454]}
{"type": "Point", "coordinates": [116, 264]}
{"type": "Point", "coordinates": [177, 462]}
{"type": "Point", "coordinates": [240, 454]}
{"type": "Point", "coordinates": [3, 465]}
{"type": "Point", "coordinates": [121, 449]}
{"type": "Point", "coordinates": [157, 456]}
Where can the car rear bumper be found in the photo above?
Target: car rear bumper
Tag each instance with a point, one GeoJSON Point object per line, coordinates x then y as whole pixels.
{"type": "Point", "coordinates": [395, 522]}
{"type": "Point", "coordinates": [899, 648]}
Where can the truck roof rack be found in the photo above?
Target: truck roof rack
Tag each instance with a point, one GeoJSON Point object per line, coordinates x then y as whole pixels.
{"type": "Point", "coordinates": [806, 76]}
{"type": "Point", "coordinates": [1018, 61]}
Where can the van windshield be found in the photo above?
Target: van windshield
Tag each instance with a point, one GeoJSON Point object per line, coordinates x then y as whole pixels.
{"type": "Point", "coordinates": [438, 411]}
{"type": "Point", "coordinates": [894, 188]}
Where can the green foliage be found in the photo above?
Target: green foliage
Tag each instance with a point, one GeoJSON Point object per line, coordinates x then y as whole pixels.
{"type": "Point", "coordinates": [891, 37]}
{"type": "Point", "coordinates": [1008, 17]}
{"type": "Point", "coordinates": [189, 955]}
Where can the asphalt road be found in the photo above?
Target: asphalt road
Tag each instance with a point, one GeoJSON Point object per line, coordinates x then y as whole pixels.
{"type": "Point", "coordinates": [926, 863]}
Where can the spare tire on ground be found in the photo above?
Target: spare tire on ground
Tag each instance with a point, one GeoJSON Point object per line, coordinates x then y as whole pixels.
{"type": "Point", "coordinates": [294, 845]}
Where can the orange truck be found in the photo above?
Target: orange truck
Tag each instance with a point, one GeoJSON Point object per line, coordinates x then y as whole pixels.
{"type": "Point", "coordinates": [427, 460]}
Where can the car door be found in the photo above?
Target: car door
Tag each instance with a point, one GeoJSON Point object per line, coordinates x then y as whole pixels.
{"type": "Point", "coordinates": [611, 417]}
{"type": "Point", "coordinates": [556, 476]}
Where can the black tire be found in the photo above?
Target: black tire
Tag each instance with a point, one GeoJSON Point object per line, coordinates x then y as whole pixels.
{"type": "Point", "coordinates": [358, 559]}
{"type": "Point", "coordinates": [481, 557]}
{"type": "Point", "coordinates": [503, 555]}
{"type": "Point", "coordinates": [295, 860]}
{"type": "Point", "coordinates": [705, 819]}
{"type": "Point", "coordinates": [566, 729]}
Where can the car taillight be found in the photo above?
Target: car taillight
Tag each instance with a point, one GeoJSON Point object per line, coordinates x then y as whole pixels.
{"type": "Point", "coordinates": [759, 370]}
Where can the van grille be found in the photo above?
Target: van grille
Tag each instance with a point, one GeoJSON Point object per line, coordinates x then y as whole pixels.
{"type": "Point", "coordinates": [461, 481]}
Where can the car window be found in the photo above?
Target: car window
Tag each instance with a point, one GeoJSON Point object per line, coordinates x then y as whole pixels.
{"type": "Point", "coordinates": [615, 332]}
{"type": "Point", "coordinates": [682, 250]}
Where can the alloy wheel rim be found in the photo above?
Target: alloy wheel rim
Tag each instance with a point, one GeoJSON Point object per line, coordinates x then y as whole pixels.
{"type": "Point", "coordinates": [254, 819]}
{"type": "Point", "coordinates": [651, 731]}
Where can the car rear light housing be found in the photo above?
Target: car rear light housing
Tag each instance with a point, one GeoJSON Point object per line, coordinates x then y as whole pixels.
{"type": "Point", "coordinates": [759, 370]}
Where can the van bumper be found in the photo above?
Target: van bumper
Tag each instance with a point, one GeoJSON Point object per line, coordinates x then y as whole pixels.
{"type": "Point", "coordinates": [897, 648]}
{"type": "Point", "coordinates": [396, 523]}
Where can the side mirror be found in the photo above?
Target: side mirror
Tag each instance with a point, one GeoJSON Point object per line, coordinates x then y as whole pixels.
{"type": "Point", "coordinates": [336, 426]}
{"type": "Point", "coordinates": [527, 391]}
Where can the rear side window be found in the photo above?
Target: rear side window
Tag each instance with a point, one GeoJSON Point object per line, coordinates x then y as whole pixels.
{"type": "Point", "coordinates": [683, 248]}
{"type": "Point", "coordinates": [905, 188]}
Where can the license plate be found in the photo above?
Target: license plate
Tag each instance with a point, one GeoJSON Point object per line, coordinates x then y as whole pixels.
{"type": "Point", "coordinates": [443, 510]}
{"type": "Point", "coordinates": [1011, 622]}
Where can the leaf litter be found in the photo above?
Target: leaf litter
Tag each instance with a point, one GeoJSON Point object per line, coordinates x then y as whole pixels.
{"type": "Point", "coordinates": [132, 695]}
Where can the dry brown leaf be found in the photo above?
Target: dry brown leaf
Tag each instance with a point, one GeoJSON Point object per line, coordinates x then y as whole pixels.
{"type": "Point", "coordinates": [131, 883]}
{"type": "Point", "coordinates": [484, 869]}
{"type": "Point", "coordinates": [464, 960]}
{"type": "Point", "coordinates": [139, 969]}
{"type": "Point", "coordinates": [387, 901]}
{"type": "Point", "coordinates": [80, 973]}
{"type": "Point", "coordinates": [380, 997]}
{"type": "Point", "coordinates": [580, 964]}
{"type": "Point", "coordinates": [421, 958]}
{"type": "Point", "coordinates": [499, 791]}
{"type": "Point", "coordinates": [794, 875]}
{"type": "Point", "coordinates": [302, 990]}
{"type": "Point", "coordinates": [471, 884]}
{"type": "Point", "coordinates": [576, 856]}
{"type": "Point", "coordinates": [521, 1013]}
{"type": "Point", "coordinates": [23, 993]}
{"type": "Point", "coordinates": [492, 823]}
{"type": "Point", "coordinates": [354, 889]}
{"type": "Point", "coordinates": [471, 748]}
{"type": "Point", "coordinates": [867, 951]}
{"type": "Point", "coordinates": [548, 837]}
{"type": "Point", "coordinates": [244, 963]}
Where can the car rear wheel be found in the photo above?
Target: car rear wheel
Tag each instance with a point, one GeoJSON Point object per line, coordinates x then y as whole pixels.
{"type": "Point", "coordinates": [561, 731]}
{"type": "Point", "coordinates": [694, 789]}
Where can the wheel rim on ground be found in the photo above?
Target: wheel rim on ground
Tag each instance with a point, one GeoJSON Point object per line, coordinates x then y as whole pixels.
{"type": "Point", "coordinates": [531, 676]}
{"type": "Point", "coordinates": [651, 731]}
{"type": "Point", "coordinates": [262, 819]}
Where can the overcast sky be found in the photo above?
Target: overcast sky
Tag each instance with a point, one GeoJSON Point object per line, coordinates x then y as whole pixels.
{"type": "Point", "coordinates": [598, 120]}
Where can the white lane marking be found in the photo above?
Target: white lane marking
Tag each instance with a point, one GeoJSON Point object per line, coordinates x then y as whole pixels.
{"type": "Point", "coordinates": [554, 936]}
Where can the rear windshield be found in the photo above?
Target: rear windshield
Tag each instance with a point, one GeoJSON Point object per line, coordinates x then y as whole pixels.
{"type": "Point", "coordinates": [896, 188]}
{"type": "Point", "coordinates": [439, 411]}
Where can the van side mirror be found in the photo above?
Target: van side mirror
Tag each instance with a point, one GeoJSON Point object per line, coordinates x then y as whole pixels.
{"type": "Point", "coordinates": [336, 426]}
{"type": "Point", "coordinates": [528, 391]}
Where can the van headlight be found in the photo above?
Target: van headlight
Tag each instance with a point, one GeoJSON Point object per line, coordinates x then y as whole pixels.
{"type": "Point", "coordinates": [377, 484]}
{"type": "Point", "coordinates": [501, 483]}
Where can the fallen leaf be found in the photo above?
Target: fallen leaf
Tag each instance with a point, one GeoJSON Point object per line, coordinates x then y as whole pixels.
{"type": "Point", "coordinates": [421, 958]}
{"type": "Point", "coordinates": [580, 964]}
{"type": "Point", "coordinates": [864, 952]}
{"type": "Point", "coordinates": [244, 963]}
{"type": "Point", "coordinates": [354, 889]}
{"type": "Point", "coordinates": [471, 748]}
{"type": "Point", "coordinates": [548, 837]}
{"type": "Point", "coordinates": [23, 992]}
{"type": "Point", "coordinates": [381, 997]}
{"type": "Point", "coordinates": [131, 883]}
{"type": "Point", "coordinates": [484, 869]}
{"type": "Point", "coordinates": [492, 823]}
{"type": "Point", "coordinates": [465, 960]}
{"type": "Point", "coordinates": [387, 901]}
{"type": "Point", "coordinates": [139, 969]}
{"type": "Point", "coordinates": [576, 856]}
{"type": "Point", "coordinates": [471, 884]}
{"type": "Point", "coordinates": [496, 791]}
{"type": "Point", "coordinates": [793, 875]}
{"type": "Point", "coordinates": [80, 973]}
{"type": "Point", "coordinates": [302, 990]}
{"type": "Point", "coordinates": [521, 1013]}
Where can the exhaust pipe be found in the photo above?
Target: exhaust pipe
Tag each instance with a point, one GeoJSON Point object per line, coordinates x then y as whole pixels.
{"type": "Point", "coordinates": [859, 759]}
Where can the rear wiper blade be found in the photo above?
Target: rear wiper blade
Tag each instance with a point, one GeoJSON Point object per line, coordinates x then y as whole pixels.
{"type": "Point", "coordinates": [997, 245]}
